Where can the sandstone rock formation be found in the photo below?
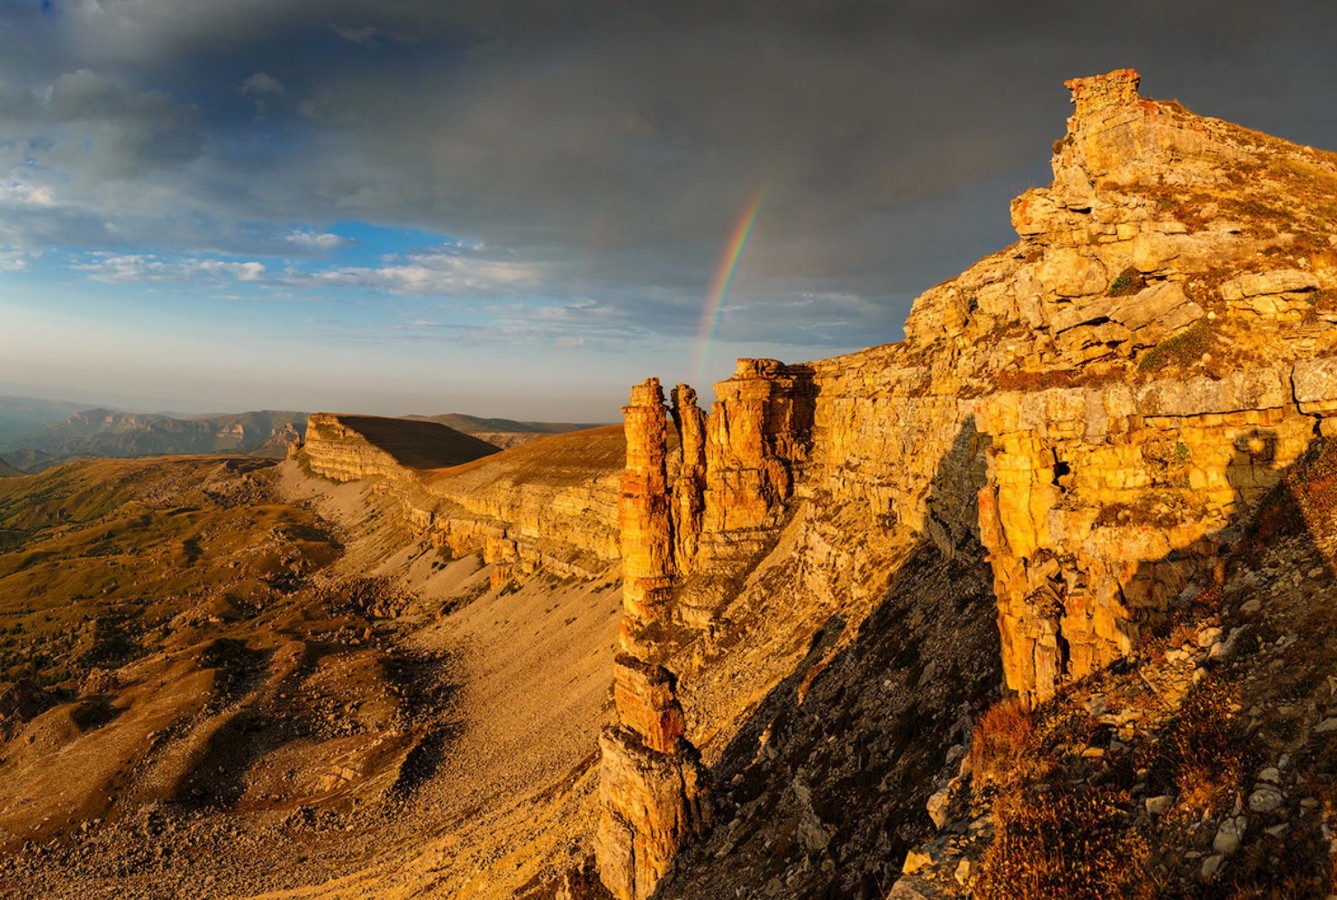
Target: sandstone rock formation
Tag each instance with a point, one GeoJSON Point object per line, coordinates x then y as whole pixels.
{"type": "Point", "coordinates": [644, 516]}
{"type": "Point", "coordinates": [349, 448]}
{"type": "Point", "coordinates": [651, 784]}
{"type": "Point", "coordinates": [1113, 391]}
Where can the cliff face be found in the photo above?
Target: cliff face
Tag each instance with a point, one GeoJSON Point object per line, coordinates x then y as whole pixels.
{"type": "Point", "coordinates": [548, 504]}
{"type": "Point", "coordinates": [349, 448]}
{"type": "Point", "coordinates": [1078, 419]}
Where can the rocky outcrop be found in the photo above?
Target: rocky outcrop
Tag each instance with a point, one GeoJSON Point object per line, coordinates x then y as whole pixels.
{"type": "Point", "coordinates": [549, 504]}
{"type": "Point", "coordinates": [651, 784]}
{"type": "Point", "coordinates": [644, 511]}
{"type": "Point", "coordinates": [1103, 503]}
{"type": "Point", "coordinates": [1095, 405]}
{"type": "Point", "coordinates": [690, 486]}
{"type": "Point", "coordinates": [757, 435]}
{"type": "Point", "coordinates": [352, 448]}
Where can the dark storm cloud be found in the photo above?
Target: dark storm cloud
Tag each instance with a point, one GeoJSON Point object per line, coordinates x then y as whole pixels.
{"type": "Point", "coordinates": [610, 145]}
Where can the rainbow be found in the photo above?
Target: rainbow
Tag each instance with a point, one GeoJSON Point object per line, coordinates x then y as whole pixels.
{"type": "Point", "coordinates": [719, 287]}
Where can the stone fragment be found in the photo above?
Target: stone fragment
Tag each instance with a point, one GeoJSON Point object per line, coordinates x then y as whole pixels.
{"type": "Point", "coordinates": [644, 697]}
{"type": "Point", "coordinates": [1278, 281]}
{"type": "Point", "coordinates": [1070, 273]}
{"type": "Point", "coordinates": [1315, 384]}
{"type": "Point", "coordinates": [1244, 389]}
{"type": "Point", "coordinates": [1229, 834]}
{"type": "Point", "coordinates": [1265, 798]}
{"type": "Point", "coordinates": [1211, 865]}
{"type": "Point", "coordinates": [916, 860]}
{"type": "Point", "coordinates": [1157, 806]}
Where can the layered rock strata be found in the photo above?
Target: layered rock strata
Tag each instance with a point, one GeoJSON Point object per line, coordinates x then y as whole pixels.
{"type": "Point", "coordinates": [651, 783]}
{"type": "Point", "coordinates": [352, 448]}
{"type": "Point", "coordinates": [1095, 405]}
{"type": "Point", "coordinates": [645, 517]}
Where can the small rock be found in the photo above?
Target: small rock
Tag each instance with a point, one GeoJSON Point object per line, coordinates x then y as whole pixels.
{"type": "Point", "coordinates": [1209, 636]}
{"type": "Point", "coordinates": [1157, 806]}
{"type": "Point", "coordinates": [939, 804]}
{"type": "Point", "coordinates": [1270, 775]}
{"type": "Point", "coordinates": [1278, 830]}
{"type": "Point", "coordinates": [1326, 726]}
{"type": "Point", "coordinates": [1265, 799]}
{"type": "Point", "coordinates": [1316, 573]}
{"type": "Point", "coordinates": [1249, 607]}
{"type": "Point", "coordinates": [1210, 866]}
{"type": "Point", "coordinates": [914, 861]}
{"type": "Point", "coordinates": [1228, 836]}
{"type": "Point", "coordinates": [962, 873]}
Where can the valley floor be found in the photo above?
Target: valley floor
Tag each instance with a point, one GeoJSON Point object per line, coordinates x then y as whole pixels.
{"type": "Point", "coordinates": [355, 716]}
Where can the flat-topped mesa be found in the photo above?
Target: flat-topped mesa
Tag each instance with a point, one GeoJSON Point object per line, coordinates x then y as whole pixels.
{"type": "Point", "coordinates": [644, 514]}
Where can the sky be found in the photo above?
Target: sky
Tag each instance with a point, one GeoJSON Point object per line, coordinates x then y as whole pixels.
{"type": "Point", "coordinates": [521, 208]}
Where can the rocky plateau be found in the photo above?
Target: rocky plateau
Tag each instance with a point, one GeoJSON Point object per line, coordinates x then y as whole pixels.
{"type": "Point", "coordinates": [1036, 602]}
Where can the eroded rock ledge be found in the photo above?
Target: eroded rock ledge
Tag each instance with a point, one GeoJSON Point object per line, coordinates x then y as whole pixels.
{"type": "Point", "coordinates": [1096, 405]}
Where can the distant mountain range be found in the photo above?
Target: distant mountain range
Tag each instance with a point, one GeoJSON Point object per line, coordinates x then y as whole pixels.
{"type": "Point", "coordinates": [36, 434]}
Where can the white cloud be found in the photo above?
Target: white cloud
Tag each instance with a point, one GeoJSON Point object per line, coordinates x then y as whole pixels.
{"type": "Point", "coordinates": [12, 260]}
{"type": "Point", "coordinates": [128, 268]}
{"type": "Point", "coordinates": [432, 272]}
{"type": "Point", "coordinates": [262, 83]}
{"type": "Point", "coordinates": [19, 193]}
{"type": "Point", "coordinates": [310, 240]}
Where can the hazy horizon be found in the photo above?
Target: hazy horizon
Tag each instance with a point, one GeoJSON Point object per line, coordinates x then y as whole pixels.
{"type": "Point", "coordinates": [520, 211]}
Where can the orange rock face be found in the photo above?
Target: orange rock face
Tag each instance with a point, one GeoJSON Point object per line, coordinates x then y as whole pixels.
{"type": "Point", "coordinates": [644, 508]}
{"type": "Point", "coordinates": [689, 489]}
{"type": "Point", "coordinates": [643, 695]}
{"type": "Point", "coordinates": [1095, 405]}
{"type": "Point", "coordinates": [652, 803]}
{"type": "Point", "coordinates": [756, 434]}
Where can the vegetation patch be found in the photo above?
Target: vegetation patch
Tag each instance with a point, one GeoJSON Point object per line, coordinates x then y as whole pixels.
{"type": "Point", "coordinates": [1004, 738]}
{"type": "Point", "coordinates": [1127, 283]}
{"type": "Point", "coordinates": [1066, 844]}
{"type": "Point", "coordinates": [1203, 756]}
{"type": "Point", "coordinates": [1183, 349]}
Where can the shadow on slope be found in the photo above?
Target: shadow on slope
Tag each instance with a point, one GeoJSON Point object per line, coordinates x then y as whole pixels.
{"type": "Point", "coordinates": [1224, 726]}
{"type": "Point", "coordinates": [822, 790]}
{"type": "Point", "coordinates": [418, 444]}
